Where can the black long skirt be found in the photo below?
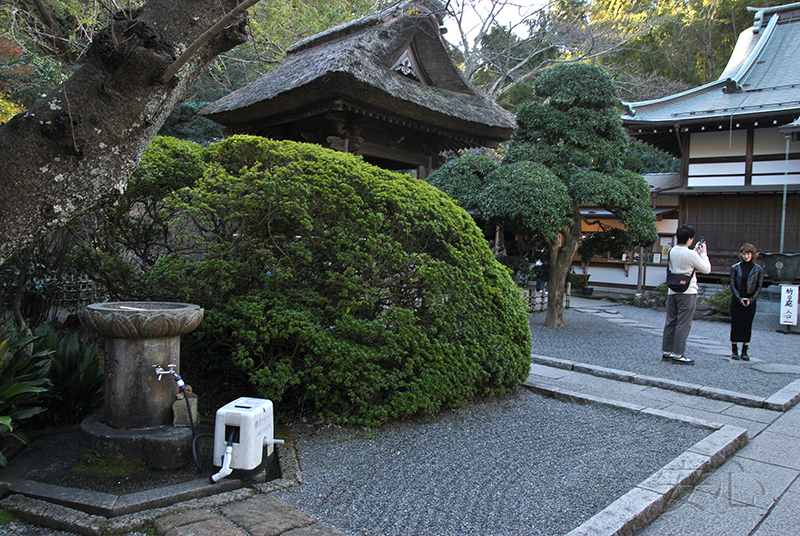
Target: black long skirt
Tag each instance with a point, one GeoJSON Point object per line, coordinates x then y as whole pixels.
{"type": "Point", "coordinates": [742, 321]}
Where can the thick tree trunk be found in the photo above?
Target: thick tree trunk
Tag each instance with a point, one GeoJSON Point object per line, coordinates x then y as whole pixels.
{"type": "Point", "coordinates": [74, 150]}
{"type": "Point", "coordinates": [560, 263]}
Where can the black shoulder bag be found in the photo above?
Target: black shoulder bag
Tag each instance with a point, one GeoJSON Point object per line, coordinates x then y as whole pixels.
{"type": "Point", "coordinates": [678, 282]}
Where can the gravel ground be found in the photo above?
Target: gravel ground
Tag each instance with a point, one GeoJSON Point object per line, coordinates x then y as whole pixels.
{"type": "Point", "coordinates": [520, 464]}
{"type": "Point", "coordinates": [601, 339]}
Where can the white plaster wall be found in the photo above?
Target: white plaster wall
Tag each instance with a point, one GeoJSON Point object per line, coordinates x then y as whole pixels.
{"type": "Point", "coordinates": [721, 143]}
{"type": "Point", "coordinates": [769, 141]}
{"type": "Point", "coordinates": [667, 227]}
{"type": "Point", "coordinates": [655, 274]}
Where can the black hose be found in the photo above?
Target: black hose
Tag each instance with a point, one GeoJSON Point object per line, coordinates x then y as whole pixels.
{"type": "Point", "coordinates": [189, 411]}
{"type": "Point", "coordinates": [197, 462]}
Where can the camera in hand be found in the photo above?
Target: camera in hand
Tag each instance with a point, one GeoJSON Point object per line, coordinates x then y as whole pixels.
{"type": "Point", "coordinates": [701, 241]}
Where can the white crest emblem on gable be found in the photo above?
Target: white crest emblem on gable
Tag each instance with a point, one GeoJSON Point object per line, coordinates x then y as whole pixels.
{"type": "Point", "coordinates": [406, 65]}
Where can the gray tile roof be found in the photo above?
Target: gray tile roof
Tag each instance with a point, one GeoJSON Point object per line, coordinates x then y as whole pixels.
{"type": "Point", "coordinates": [761, 78]}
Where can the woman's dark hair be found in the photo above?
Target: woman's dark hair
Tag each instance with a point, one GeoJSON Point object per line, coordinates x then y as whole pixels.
{"type": "Point", "coordinates": [684, 233]}
{"type": "Point", "coordinates": [748, 248]}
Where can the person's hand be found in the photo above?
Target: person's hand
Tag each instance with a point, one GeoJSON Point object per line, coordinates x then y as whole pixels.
{"type": "Point", "coordinates": [701, 248]}
{"type": "Point", "coordinates": [745, 302]}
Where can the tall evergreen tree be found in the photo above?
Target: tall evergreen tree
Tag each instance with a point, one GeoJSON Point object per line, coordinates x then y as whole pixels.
{"type": "Point", "coordinates": [573, 128]}
{"type": "Point", "coordinates": [568, 151]}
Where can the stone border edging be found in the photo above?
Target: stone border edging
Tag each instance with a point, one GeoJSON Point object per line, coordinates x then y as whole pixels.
{"type": "Point", "coordinates": [650, 498]}
{"type": "Point", "coordinates": [61, 517]}
{"type": "Point", "coordinates": [783, 400]}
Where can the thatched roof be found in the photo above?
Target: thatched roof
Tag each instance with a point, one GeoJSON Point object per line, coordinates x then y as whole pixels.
{"type": "Point", "coordinates": [391, 66]}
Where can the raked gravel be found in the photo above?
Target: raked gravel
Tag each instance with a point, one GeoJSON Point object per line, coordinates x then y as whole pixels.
{"type": "Point", "coordinates": [519, 464]}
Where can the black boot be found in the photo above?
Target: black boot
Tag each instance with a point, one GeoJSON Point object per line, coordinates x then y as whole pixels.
{"type": "Point", "coordinates": [735, 351]}
{"type": "Point", "coordinates": [745, 357]}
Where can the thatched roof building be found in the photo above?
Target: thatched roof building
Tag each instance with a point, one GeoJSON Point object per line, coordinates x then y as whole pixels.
{"type": "Point", "coordinates": [382, 86]}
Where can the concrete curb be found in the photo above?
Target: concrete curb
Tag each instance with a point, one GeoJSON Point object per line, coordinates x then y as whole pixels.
{"type": "Point", "coordinates": [577, 397]}
{"type": "Point", "coordinates": [640, 506]}
{"type": "Point", "coordinates": [93, 514]}
{"type": "Point", "coordinates": [649, 499]}
{"type": "Point", "coordinates": [783, 400]}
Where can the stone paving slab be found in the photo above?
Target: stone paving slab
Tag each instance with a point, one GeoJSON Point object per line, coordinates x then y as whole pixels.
{"type": "Point", "coordinates": [658, 396]}
{"type": "Point", "coordinates": [761, 415]}
{"type": "Point", "coordinates": [603, 372]}
{"type": "Point", "coordinates": [196, 523]}
{"type": "Point", "coordinates": [783, 519]}
{"type": "Point", "coordinates": [647, 501]}
{"type": "Point", "coordinates": [671, 385]}
{"type": "Point", "coordinates": [317, 529]}
{"type": "Point", "coordinates": [678, 476]}
{"type": "Point", "coordinates": [709, 405]}
{"type": "Point", "coordinates": [750, 482]}
{"type": "Point", "coordinates": [250, 515]}
{"type": "Point", "coordinates": [742, 399]}
{"type": "Point", "coordinates": [705, 514]}
{"type": "Point", "coordinates": [770, 443]}
{"type": "Point", "coordinates": [788, 424]}
{"type": "Point", "coordinates": [776, 368]}
{"type": "Point", "coordinates": [784, 399]}
{"type": "Point", "coordinates": [753, 427]}
{"type": "Point", "coordinates": [626, 515]}
{"type": "Point", "coordinates": [640, 506]}
{"type": "Point", "coordinates": [51, 515]}
{"type": "Point", "coordinates": [679, 417]}
{"type": "Point", "coordinates": [549, 372]}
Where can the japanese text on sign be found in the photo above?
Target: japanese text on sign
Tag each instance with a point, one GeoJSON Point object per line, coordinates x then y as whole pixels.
{"type": "Point", "coordinates": [789, 305]}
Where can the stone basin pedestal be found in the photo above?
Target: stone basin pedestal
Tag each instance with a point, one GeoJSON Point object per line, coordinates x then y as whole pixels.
{"type": "Point", "coordinates": [137, 415]}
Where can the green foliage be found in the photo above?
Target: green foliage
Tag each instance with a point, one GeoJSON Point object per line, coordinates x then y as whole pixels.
{"type": "Point", "coordinates": [518, 266]}
{"type": "Point", "coordinates": [24, 75]}
{"type": "Point", "coordinates": [8, 109]}
{"type": "Point", "coordinates": [341, 288]}
{"type": "Point", "coordinates": [514, 195]}
{"type": "Point", "coordinates": [568, 151]}
{"type": "Point", "coordinates": [720, 302]}
{"type": "Point", "coordinates": [274, 27]}
{"type": "Point", "coordinates": [6, 517]}
{"type": "Point", "coordinates": [614, 241]}
{"type": "Point", "coordinates": [644, 158]}
{"type": "Point", "coordinates": [576, 85]}
{"type": "Point", "coordinates": [577, 133]}
{"type": "Point", "coordinates": [23, 380]}
{"type": "Point", "coordinates": [690, 43]}
{"type": "Point", "coordinates": [186, 123]}
{"type": "Point", "coordinates": [573, 129]}
{"type": "Point", "coordinates": [464, 178]}
{"type": "Point", "coordinates": [75, 375]}
{"type": "Point", "coordinates": [120, 244]}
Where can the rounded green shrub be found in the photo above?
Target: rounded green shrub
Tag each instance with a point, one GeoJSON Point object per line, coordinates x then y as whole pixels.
{"type": "Point", "coordinates": [720, 301]}
{"type": "Point", "coordinates": [343, 289]}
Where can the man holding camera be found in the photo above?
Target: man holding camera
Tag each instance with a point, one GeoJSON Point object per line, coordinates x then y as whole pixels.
{"type": "Point", "coordinates": [681, 305]}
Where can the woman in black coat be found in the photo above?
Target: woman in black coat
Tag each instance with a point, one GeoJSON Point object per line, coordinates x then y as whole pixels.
{"type": "Point", "coordinates": [747, 278]}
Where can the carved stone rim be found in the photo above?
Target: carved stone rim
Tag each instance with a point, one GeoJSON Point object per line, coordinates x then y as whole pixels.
{"type": "Point", "coordinates": [142, 320]}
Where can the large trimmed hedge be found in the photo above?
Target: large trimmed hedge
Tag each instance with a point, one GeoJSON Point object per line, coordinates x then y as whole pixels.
{"type": "Point", "coordinates": [341, 288]}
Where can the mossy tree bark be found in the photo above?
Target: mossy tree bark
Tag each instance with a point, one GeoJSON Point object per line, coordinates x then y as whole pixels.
{"type": "Point", "coordinates": [74, 149]}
